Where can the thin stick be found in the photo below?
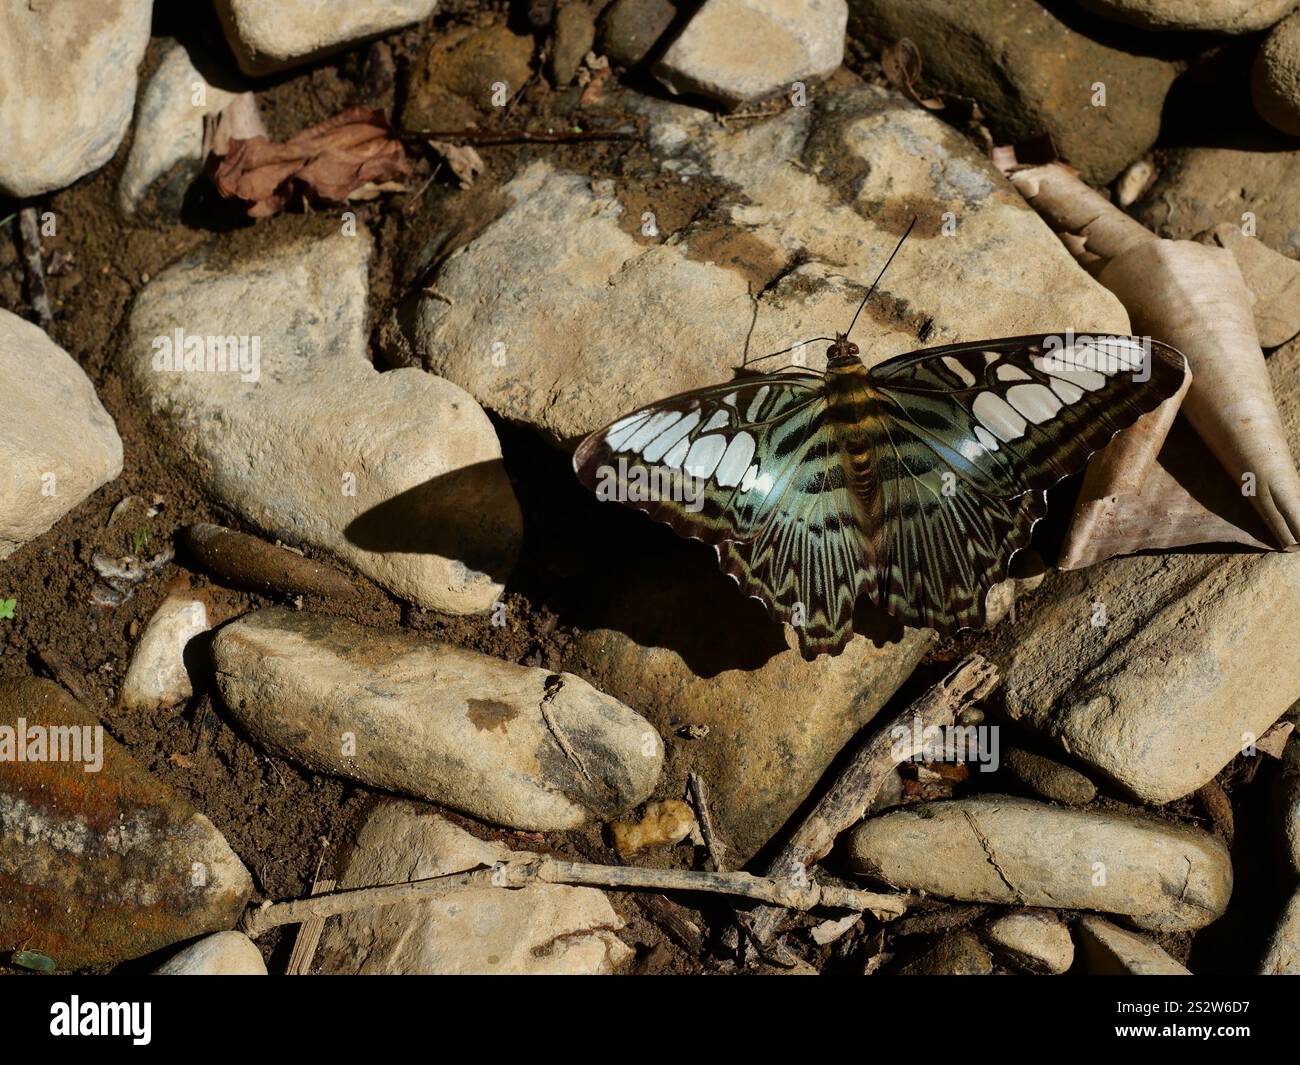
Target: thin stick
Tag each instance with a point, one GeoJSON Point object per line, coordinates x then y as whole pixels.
{"type": "Point", "coordinates": [857, 784]}
{"type": "Point", "coordinates": [521, 136]}
{"type": "Point", "coordinates": [31, 231]}
{"type": "Point", "coordinates": [700, 797]}
{"type": "Point", "coordinates": [523, 868]}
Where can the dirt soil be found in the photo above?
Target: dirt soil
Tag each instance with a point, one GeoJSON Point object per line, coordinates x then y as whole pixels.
{"type": "Point", "coordinates": [288, 825]}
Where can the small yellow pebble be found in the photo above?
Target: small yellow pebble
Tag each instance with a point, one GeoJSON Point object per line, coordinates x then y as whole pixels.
{"type": "Point", "coordinates": [668, 821]}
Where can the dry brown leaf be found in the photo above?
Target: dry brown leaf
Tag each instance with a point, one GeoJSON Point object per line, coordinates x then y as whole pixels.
{"type": "Point", "coordinates": [356, 150]}
{"type": "Point", "coordinates": [902, 65]}
{"type": "Point", "coordinates": [462, 160]}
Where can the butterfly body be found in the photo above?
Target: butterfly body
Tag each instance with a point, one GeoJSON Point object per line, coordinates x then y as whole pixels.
{"type": "Point", "coordinates": [911, 482]}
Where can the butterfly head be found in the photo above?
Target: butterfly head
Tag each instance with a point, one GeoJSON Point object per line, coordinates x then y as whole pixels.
{"type": "Point", "coordinates": [842, 353]}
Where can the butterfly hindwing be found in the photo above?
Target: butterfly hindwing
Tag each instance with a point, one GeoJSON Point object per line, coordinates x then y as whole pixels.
{"type": "Point", "coordinates": [809, 562]}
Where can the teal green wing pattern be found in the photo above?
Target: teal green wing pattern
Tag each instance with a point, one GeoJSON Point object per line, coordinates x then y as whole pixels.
{"type": "Point", "coordinates": [969, 438]}
{"type": "Point", "coordinates": [1013, 415]}
{"type": "Point", "coordinates": [712, 463]}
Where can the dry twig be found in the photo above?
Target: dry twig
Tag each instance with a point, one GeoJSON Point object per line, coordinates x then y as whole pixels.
{"type": "Point", "coordinates": [857, 784]}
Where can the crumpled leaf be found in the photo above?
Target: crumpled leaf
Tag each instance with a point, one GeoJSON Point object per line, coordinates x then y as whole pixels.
{"type": "Point", "coordinates": [462, 160]}
{"type": "Point", "coordinates": [902, 66]}
{"type": "Point", "coordinates": [353, 154]}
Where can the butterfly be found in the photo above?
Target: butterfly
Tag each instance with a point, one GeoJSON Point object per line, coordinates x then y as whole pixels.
{"type": "Point", "coordinates": [912, 482]}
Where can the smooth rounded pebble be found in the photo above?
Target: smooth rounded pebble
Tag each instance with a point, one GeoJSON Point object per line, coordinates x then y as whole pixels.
{"type": "Point", "coordinates": [221, 954]}
{"type": "Point", "coordinates": [67, 87]}
{"type": "Point", "coordinates": [159, 675]}
{"type": "Point", "coordinates": [57, 443]}
{"type": "Point", "coordinates": [540, 929]}
{"type": "Point", "coordinates": [1109, 950]}
{"type": "Point", "coordinates": [1034, 940]}
{"type": "Point", "coordinates": [509, 744]}
{"type": "Point", "coordinates": [1275, 77]}
{"type": "Point", "coordinates": [1017, 851]}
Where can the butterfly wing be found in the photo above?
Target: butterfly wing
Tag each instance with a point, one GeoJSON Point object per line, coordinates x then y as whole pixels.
{"type": "Point", "coordinates": [713, 463]}
{"type": "Point", "coordinates": [1010, 416]}
{"type": "Point", "coordinates": [789, 528]}
{"type": "Point", "coordinates": [810, 561]}
{"type": "Point", "coordinates": [968, 439]}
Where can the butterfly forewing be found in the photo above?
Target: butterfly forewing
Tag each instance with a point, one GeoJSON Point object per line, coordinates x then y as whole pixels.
{"type": "Point", "coordinates": [1012, 415]}
{"type": "Point", "coordinates": [712, 463]}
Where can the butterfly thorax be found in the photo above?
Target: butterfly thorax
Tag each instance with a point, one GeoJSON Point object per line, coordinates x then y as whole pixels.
{"type": "Point", "coordinates": [843, 352]}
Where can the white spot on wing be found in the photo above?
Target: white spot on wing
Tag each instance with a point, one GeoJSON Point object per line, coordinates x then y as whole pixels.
{"type": "Point", "coordinates": [624, 428]}
{"type": "Point", "coordinates": [986, 438]}
{"type": "Point", "coordinates": [673, 460]}
{"type": "Point", "coordinates": [1008, 372]}
{"type": "Point", "coordinates": [705, 455]}
{"type": "Point", "coordinates": [1036, 402]}
{"type": "Point", "coordinates": [652, 428]}
{"type": "Point", "coordinates": [756, 404]}
{"type": "Point", "coordinates": [1069, 393]}
{"type": "Point", "coordinates": [719, 419]}
{"type": "Point", "coordinates": [736, 461]}
{"type": "Point", "coordinates": [1058, 366]}
{"type": "Point", "coordinates": [964, 375]}
{"type": "Point", "coordinates": [750, 474]}
{"type": "Point", "coordinates": [998, 416]}
{"type": "Point", "coordinates": [660, 444]}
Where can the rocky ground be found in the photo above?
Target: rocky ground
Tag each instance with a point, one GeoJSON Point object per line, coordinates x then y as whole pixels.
{"type": "Point", "coordinates": [348, 619]}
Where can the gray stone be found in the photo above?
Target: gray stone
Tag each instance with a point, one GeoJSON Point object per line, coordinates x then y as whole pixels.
{"type": "Point", "coordinates": [742, 51]}
{"type": "Point", "coordinates": [1282, 956]}
{"type": "Point", "coordinates": [397, 474]}
{"type": "Point", "coordinates": [1017, 851]}
{"type": "Point", "coordinates": [575, 34]}
{"type": "Point", "coordinates": [220, 954]}
{"type": "Point", "coordinates": [1275, 77]}
{"type": "Point", "coordinates": [1217, 16]}
{"type": "Point", "coordinates": [775, 721]}
{"type": "Point", "coordinates": [805, 209]}
{"type": "Point", "coordinates": [158, 676]}
{"type": "Point", "coordinates": [957, 954]}
{"type": "Point", "coordinates": [541, 929]}
{"type": "Point", "coordinates": [288, 33]}
{"type": "Point", "coordinates": [629, 29]}
{"type": "Point", "coordinates": [57, 443]}
{"type": "Point", "coordinates": [1050, 779]}
{"type": "Point", "coordinates": [1112, 951]}
{"type": "Point", "coordinates": [1199, 188]}
{"type": "Point", "coordinates": [509, 744]}
{"type": "Point", "coordinates": [1034, 940]}
{"type": "Point", "coordinates": [100, 865]}
{"type": "Point", "coordinates": [1033, 72]}
{"type": "Point", "coordinates": [1158, 670]}
{"type": "Point", "coordinates": [167, 148]}
{"type": "Point", "coordinates": [67, 86]}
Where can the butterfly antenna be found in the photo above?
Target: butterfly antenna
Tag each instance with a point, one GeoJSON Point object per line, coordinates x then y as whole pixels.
{"type": "Point", "coordinates": [879, 276]}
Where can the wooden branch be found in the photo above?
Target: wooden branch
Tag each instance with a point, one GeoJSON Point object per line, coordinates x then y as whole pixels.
{"type": "Point", "coordinates": [31, 231]}
{"type": "Point", "coordinates": [520, 136]}
{"type": "Point", "coordinates": [857, 784]}
{"type": "Point", "coordinates": [523, 868]}
{"type": "Point", "coordinates": [712, 843]}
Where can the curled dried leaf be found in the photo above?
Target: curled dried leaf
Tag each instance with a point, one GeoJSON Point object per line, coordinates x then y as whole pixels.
{"type": "Point", "coordinates": [902, 64]}
{"type": "Point", "coordinates": [354, 152]}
